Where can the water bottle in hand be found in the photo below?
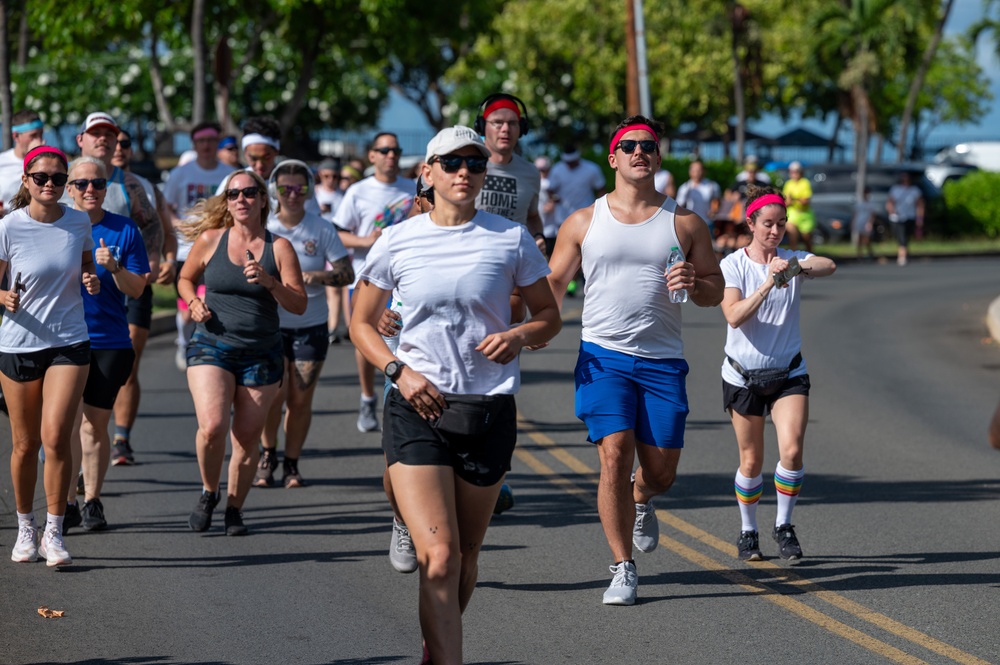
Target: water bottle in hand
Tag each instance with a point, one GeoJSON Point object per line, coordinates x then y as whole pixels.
{"type": "Point", "coordinates": [680, 295]}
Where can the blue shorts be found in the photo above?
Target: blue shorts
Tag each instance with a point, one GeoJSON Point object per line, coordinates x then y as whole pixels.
{"type": "Point", "coordinates": [251, 367]}
{"type": "Point", "coordinates": [616, 391]}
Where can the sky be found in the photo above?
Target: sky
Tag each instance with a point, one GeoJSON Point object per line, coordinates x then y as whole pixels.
{"type": "Point", "coordinates": [403, 116]}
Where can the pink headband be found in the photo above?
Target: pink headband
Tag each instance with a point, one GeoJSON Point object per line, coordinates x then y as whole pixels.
{"type": "Point", "coordinates": [766, 200]}
{"type": "Point", "coordinates": [205, 133]}
{"type": "Point", "coordinates": [502, 104]}
{"type": "Point", "coordinates": [34, 152]}
{"type": "Point", "coordinates": [625, 130]}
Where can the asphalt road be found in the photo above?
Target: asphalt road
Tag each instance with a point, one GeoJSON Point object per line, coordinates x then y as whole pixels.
{"type": "Point", "coordinates": [897, 518]}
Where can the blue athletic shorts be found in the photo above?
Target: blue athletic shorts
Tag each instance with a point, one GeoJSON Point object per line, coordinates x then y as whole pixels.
{"type": "Point", "coordinates": [251, 367]}
{"type": "Point", "coordinates": [616, 391]}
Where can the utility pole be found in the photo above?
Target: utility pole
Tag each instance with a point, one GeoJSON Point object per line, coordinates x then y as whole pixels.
{"type": "Point", "coordinates": [631, 66]}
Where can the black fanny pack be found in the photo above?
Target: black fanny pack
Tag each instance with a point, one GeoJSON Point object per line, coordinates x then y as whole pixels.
{"type": "Point", "coordinates": [471, 415]}
{"type": "Point", "coordinates": [765, 382]}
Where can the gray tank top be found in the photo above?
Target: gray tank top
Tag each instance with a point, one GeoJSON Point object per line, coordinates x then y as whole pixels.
{"type": "Point", "coordinates": [244, 315]}
{"type": "Point", "coordinates": [116, 199]}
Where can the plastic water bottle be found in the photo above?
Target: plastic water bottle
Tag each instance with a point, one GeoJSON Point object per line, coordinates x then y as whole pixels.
{"type": "Point", "coordinates": [393, 342]}
{"type": "Point", "coordinates": [680, 295]}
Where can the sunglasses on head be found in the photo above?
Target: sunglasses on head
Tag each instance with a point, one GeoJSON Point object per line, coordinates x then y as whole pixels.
{"type": "Point", "coordinates": [81, 184]}
{"type": "Point", "coordinates": [452, 163]}
{"type": "Point", "coordinates": [125, 144]}
{"type": "Point", "coordinates": [249, 193]}
{"type": "Point", "coordinates": [299, 190]}
{"type": "Point", "coordinates": [648, 146]}
{"type": "Point", "coordinates": [386, 151]}
{"type": "Point", "coordinates": [58, 179]}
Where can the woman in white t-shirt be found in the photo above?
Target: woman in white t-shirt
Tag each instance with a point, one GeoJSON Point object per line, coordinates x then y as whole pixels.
{"type": "Point", "coordinates": [45, 251]}
{"type": "Point", "coordinates": [761, 305]}
{"type": "Point", "coordinates": [450, 421]}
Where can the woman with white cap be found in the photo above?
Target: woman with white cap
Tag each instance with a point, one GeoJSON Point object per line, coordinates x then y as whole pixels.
{"type": "Point", "coordinates": [450, 421]}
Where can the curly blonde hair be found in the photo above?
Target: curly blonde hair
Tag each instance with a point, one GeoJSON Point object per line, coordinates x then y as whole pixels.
{"type": "Point", "coordinates": [213, 212]}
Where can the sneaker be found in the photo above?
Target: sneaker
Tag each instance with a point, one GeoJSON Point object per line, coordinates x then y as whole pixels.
{"type": "Point", "coordinates": [402, 556]}
{"type": "Point", "coordinates": [121, 452]}
{"type": "Point", "coordinates": [571, 288]}
{"type": "Point", "coordinates": [80, 489]}
{"type": "Point", "coordinates": [180, 359]}
{"type": "Point", "coordinates": [788, 544]}
{"type": "Point", "coordinates": [234, 522]}
{"type": "Point", "coordinates": [367, 421]}
{"type": "Point", "coordinates": [72, 517]}
{"type": "Point", "coordinates": [748, 546]}
{"type": "Point", "coordinates": [201, 516]}
{"type": "Point", "coordinates": [265, 468]}
{"type": "Point", "coordinates": [646, 531]}
{"type": "Point", "coordinates": [291, 477]}
{"type": "Point", "coordinates": [623, 585]}
{"type": "Point", "coordinates": [333, 337]}
{"type": "Point", "coordinates": [93, 516]}
{"type": "Point", "coordinates": [53, 549]}
{"type": "Point", "coordinates": [505, 500]}
{"type": "Point", "coordinates": [26, 546]}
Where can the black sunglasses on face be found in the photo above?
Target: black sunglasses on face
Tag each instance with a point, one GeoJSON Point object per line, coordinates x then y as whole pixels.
{"type": "Point", "coordinates": [58, 179]}
{"type": "Point", "coordinates": [125, 144]}
{"type": "Point", "coordinates": [386, 151]}
{"type": "Point", "coordinates": [249, 193]}
{"type": "Point", "coordinates": [452, 163]}
{"type": "Point", "coordinates": [81, 184]}
{"type": "Point", "coordinates": [648, 146]}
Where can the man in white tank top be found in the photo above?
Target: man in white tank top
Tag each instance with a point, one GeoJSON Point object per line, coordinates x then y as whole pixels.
{"type": "Point", "coordinates": [630, 375]}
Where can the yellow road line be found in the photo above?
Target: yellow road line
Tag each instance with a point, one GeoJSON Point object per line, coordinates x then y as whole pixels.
{"type": "Point", "coordinates": [796, 607]}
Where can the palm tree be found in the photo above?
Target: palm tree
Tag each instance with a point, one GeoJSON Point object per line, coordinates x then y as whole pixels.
{"type": "Point", "coordinates": [854, 32]}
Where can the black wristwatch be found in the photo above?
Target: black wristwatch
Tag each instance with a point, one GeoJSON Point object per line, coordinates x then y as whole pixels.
{"type": "Point", "coordinates": [394, 369]}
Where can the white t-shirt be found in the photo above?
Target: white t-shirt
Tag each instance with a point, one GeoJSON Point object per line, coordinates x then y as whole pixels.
{"type": "Point", "coordinates": [316, 242]}
{"type": "Point", "coordinates": [905, 200]}
{"type": "Point", "coordinates": [576, 188]}
{"type": "Point", "coordinates": [11, 169]}
{"type": "Point", "coordinates": [551, 221]}
{"type": "Point", "coordinates": [771, 337]}
{"type": "Point", "coordinates": [369, 204]}
{"type": "Point", "coordinates": [698, 197]}
{"type": "Point", "coordinates": [332, 199]}
{"type": "Point", "coordinates": [510, 190]}
{"type": "Point", "coordinates": [185, 186]}
{"type": "Point", "coordinates": [49, 258]}
{"type": "Point", "coordinates": [455, 284]}
{"type": "Point", "coordinates": [662, 180]}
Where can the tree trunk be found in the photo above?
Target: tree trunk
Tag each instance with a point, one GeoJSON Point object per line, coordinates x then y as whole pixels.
{"type": "Point", "coordinates": [156, 79]}
{"type": "Point", "coordinates": [631, 63]}
{"type": "Point", "coordinates": [738, 15]}
{"type": "Point", "coordinates": [832, 145]}
{"type": "Point", "coordinates": [222, 72]}
{"type": "Point", "coordinates": [860, 139]}
{"type": "Point", "coordinates": [5, 101]}
{"type": "Point", "coordinates": [22, 38]}
{"type": "Point", "coordinates": [918, 82]}
{"type": "Point", "coordinates": [198, 44]}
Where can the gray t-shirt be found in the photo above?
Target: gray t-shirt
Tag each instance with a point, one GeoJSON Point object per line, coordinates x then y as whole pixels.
{"type": "Point", "coordinates": [511, 190]}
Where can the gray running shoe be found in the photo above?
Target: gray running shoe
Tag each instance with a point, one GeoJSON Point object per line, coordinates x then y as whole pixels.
{"type": "Point", "coordinates": [402, 556]}
{"type": "Point", "coordinates": [121, 452]}
{"type": "Point", "coordinates": [93, 516]}
{"type": "Point", "coordinates": [265, 468]}
{"type": "Point", "coordinates": [623, 585]}
{"type": "Point", "coordinates": [234, 522]}
{"type": "Point", "coordinates": [646, 530]}
{"type": "Point", "coordinates": [788, 543]}
{"type": "Point", "coordinates": [367, 421]}
{"type": "Point", "coordinates": [748, 546]}
{"type": "Point", "coordinates": [201, 516]}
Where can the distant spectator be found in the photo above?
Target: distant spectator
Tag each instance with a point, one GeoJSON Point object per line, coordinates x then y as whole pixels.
{"type": "Point", "coordinates": [699, 194]}
{"type": "Point", "coordinates": [863, 223]}
{"type": "Point", "coordinates": [577, 182]}
{"type": "Point", "coordinates": [229, 152]}
{"type": "Point", "coordinates": [906, 212]}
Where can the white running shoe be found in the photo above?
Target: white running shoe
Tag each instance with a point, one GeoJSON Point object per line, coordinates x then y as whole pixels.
{"type": "Point", "coordinates": [402, 555]}
{"type": "Point", "coordinates": [180, 359]}
{"type": "Point", "coordinates": [26, 547]}
{"type": "Point", "coordinates": [53, 549]}
{"type": "Point", "coordinates": [646, 530]}
{"type": "Point", "coordinates": [623, 585]}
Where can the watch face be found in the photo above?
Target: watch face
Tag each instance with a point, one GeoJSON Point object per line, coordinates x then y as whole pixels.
{"type": "Point", "coordinates": [392, 369]}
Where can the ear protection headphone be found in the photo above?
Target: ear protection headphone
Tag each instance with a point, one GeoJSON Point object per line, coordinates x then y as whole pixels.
{"type": "Point", "coordinates": [272, 182]}
{"type": "Point", "coordinates": [480, 124]}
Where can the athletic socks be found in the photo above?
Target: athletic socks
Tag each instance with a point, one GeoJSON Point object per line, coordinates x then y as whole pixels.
{"type": "Point", "coordinates": [53, 522]}
{"type": "Point", "coordinates": [26, 518]}
{"type": "Point", "coordinates": [122, 432]}
{"type": "Point", "coordinates": [788, 485]}
{"type": "Point", "coordinates": [748, 491]}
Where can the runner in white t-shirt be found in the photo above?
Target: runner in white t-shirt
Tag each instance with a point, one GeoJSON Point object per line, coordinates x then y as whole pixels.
{"type": "Point", "coordinates": [369, 207]}
{"type": "Point", "coordinates": [906, 212]}
{"type": "Point", "coordinates": [454, 270]}
{"type": "Point", "coordinates": [26, 130]}
{"type": "Point", "coordinates": [700, 195]}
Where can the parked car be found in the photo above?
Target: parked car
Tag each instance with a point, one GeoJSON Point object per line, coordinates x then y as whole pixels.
{"type": "Point", "coordinates": [983, 154]}
{"type": "Point", "coordinates": [834, 187]}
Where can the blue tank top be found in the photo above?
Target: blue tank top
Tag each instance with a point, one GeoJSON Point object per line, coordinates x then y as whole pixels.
{"type": "Point", "coordinates": [244, 315]}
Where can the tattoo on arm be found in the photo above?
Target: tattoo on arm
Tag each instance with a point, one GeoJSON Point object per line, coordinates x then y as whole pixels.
{"type": "Point", "coordinates": [341, 273]}
{"type": "Point", "coordinates": [145, 217]}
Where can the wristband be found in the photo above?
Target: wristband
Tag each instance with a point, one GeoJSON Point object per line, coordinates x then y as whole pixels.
{"type": "Point", "coordinates": [117, 268]}
{"type": "Point", "coordinates": [191, 301]}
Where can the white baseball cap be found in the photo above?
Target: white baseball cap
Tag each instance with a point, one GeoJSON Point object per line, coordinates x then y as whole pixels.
{"type": "Point", "coordinates": [450, 139]}
{"type": "Point", "coordinates": [98, 119]}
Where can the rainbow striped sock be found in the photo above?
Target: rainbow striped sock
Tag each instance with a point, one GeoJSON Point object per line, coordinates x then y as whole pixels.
{"type": "Point", "coordinates": [788, 484]}
{"type": "Point", "coordinates": [748, 491]}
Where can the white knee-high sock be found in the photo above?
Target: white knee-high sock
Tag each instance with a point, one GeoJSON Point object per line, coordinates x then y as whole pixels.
{"type": "Point", "coordinates": [788, 484]}
{"type": "Point", "coordinates": [748, 491]}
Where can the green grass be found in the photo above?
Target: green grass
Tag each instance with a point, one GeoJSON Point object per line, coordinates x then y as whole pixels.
{"type": "Point", "coordinates": [164, 298]}
{"type": "Point", "coordinates": [929, 247]}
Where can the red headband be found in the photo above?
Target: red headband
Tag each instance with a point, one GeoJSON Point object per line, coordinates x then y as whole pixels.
{"type": "Point", "coordinates": [34, 152]}
{"type": "Point", "coordinates": [766, 200]}
{"type": "Point", "coordinates": [205, 133]}
{"type": "Point", "coordinates": [502, 103]}
{"type": "Point", "coordinates": [625, 130]}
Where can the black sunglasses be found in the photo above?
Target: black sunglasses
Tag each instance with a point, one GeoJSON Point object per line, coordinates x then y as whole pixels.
{"type": "Point", "coordinates": [249, 193]}
{"type": "Point", "coordinates": [58, 179]}
{"type": "Point", "coordinates": [125, 143]}
{"type": "Point", "coordinates": [82, 183]}
{"type": "Point", "coordinates": [452, 163]}
{"type": "Point", "coordinates": [386, 151]}
{"type": "Point", "coordinates": [425, 193]}
{"type": "Point", "coordinates": [648, 146]}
